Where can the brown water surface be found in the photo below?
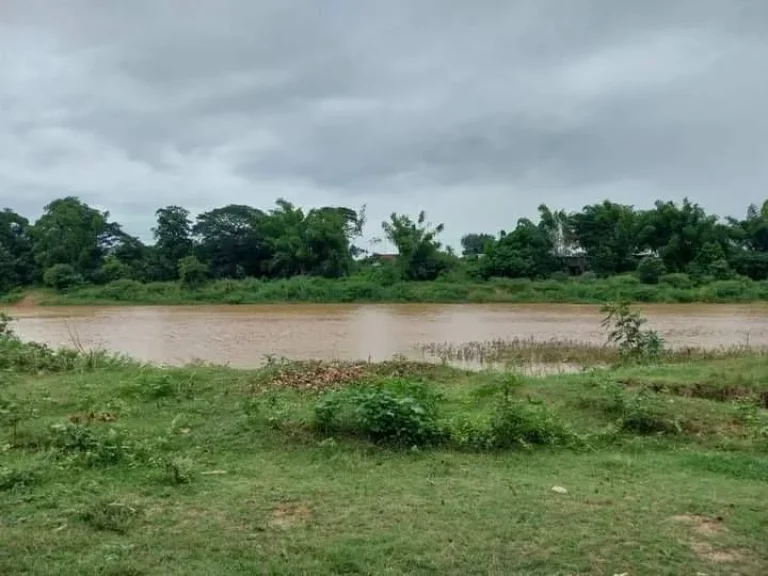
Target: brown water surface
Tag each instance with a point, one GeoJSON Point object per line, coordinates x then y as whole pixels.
{"type": "Point", "coordinates": [243, 335]}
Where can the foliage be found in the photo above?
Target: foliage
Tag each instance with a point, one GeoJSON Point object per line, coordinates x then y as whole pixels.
{"type": "Point", "coordinates": [419, 256]}
{"type": "Point", "coordinates": [62, 277]}
{"type": "Point", "coordinates": [650, 270]}
{"type": "Point", "coordinates": [516, 423]}
{"type": "Point", "coordinates": [239, 242]}
{"type": "Point", "coordinates": [192, 272]}
{"type": "Point", "coordinates": [393, 412]}
{"type": "Point", "coordinates": [625, 329]}
{"type": "Point", "coordinates": [638, 412]}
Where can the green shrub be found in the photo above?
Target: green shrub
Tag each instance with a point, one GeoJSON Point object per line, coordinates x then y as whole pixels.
{"type": "Point", "coordinates": [17, 479]}
{"type": "Point", "coordinates": [677, 280]}
{"type": "Point", "coordinates": [106, 515]}
{"type": "Point", "coordinates": [650, 270]}
{"type": "Point", "coordinates": [639, 412]}
{"type": "Point", "coordinates": [192, 272]}
{"type": "Point", "coordinates": [83, 445]}
{"type": "Point", "coordinates": [62, 277]}
{"type": "Point", "coordinates": [625, 329]}
{"type": "Point", "coordinates": [394, 412]}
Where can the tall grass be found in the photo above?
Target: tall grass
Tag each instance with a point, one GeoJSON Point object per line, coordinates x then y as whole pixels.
{"type": "Point", "coordinates": [584, 290]}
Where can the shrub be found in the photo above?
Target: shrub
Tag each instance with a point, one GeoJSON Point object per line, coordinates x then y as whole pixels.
{"type": "Point", "coordinates": [82, 445]}
{"type": "Point", "coordinates": [625, 329]}
{"type": "Point", "coordinates": [394, 412]}
{"type": "Point", "coordinates": [17, 479]}
{"type": "Point", "coordinates": [62, 277]}
{"type": "Point", "coordinates": [677, 280]}
{"type": "Point", "coordinates": [192, 272]}
{"type": "Point", "coordinates": [639, 412]}
{"type": "Point", "coordinates": [650, 270]}
{"type": "Point", "coordinates": [110, 516]}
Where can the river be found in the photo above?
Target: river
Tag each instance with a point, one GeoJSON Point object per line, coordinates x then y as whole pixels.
{"type": "Point", "coordinates": [242, 336]}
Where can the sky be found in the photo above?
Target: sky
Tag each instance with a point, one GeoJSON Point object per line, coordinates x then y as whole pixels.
{"type": "Point", "coordinates": [476, 112]}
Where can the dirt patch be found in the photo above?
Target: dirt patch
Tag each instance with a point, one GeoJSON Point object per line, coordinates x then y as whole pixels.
{"type": "Point", "coordinates": [28, 301]}
{"type": "Point", "coordinates": [288, 515]}
{"type": "Point", "coordinates": [707, 552]}
{"type": "Point", "coordinates": [701, 524]}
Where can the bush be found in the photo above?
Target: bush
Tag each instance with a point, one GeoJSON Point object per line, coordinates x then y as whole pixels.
{"type": "Point", "coordinates": [395, 412]}
{"type": "Point", "coordinates": [515, 424]}
{"type": "Point", "coordinates": [639, 412]}
{"type": "Point", "coordinates": [650, 270]}
{"type": "Point", "coordinates": [677, 280]}
{"type": "Point", "coordinates": [110, 516]}
{"type": "Point", "coordinates": [62, 277]}
{"type": "Point", "coordinates": [192, 272]}
{"type": "Point", "coordinates": [625, 329]}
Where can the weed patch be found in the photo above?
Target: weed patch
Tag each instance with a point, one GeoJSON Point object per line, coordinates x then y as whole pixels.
{"type": "Point", "coordinates": [111, 516]}
{"type": "Point", "coordinates": [393, 412]}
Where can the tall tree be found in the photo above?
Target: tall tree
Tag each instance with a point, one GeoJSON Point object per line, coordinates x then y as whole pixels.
{"type": "Point", "coordinates": [173, 238]}
{"type": "Point", "coordinates": [232, 241]}
{"type": "Point", "coordinates": [71, 232]}
{"type": "Point", "coordinates": [525, 252]}
{"type": "Point", "coordinates": [678, 234]}
{"type": "Point", "coordinates": [17, 265]}
{"type": "Point", "coordinates": [419, 251]}
{"type": "Point", "coordinates": [608, 234]}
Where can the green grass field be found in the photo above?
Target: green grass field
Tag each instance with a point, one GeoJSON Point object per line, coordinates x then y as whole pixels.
{"type": "Point", "coordinates": [109, 467]}
{"type": "Point", "coordinates": [674, 288]}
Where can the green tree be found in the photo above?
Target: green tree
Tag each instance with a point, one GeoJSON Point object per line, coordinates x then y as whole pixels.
{"type": "Point", "coordinates": [419, 252]}
{"type": "Point", "coordinates": [476, 244]}
{"type": "Point", "coordinates": [608, 234]}
{"type": "Point", "coordinates": [679, 233]}
{"type": "Point", "coordinates": [231, 239]}
{"type": "Point", "coordinates": [173, 239]}
{"type": "Point", "coordinates": [526, 252]}
{"type": "Point", "coordinates": [71, 232]}
{"type": "Point", "coordinates": [17, 265]}
{"type": "Point", "coordinates": [557, 226]}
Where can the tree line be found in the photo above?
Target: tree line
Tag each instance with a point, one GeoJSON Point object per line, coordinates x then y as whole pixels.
{"type": "Point", "coordinates": [73, 243]}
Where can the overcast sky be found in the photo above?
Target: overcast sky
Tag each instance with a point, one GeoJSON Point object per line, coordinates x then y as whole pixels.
{"type": "Point", "coordinates": [476, 111]}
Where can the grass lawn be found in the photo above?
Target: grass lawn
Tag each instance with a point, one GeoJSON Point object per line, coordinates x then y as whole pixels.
{"type": "Point", "coordinates": [108, 467]}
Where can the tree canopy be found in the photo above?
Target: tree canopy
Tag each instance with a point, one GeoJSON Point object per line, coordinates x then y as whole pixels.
{"type": "Point", "coordinates": [73, 243]}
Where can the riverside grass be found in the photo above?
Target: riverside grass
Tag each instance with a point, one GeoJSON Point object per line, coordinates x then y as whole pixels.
{"type": "Point", "coordinates": [674, 288]}
{"type": "Point", "coordinates": [112, 467]}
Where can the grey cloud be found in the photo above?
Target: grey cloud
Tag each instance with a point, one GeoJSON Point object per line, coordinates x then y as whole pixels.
{"type": "Point", "coordinates": [476, 111]}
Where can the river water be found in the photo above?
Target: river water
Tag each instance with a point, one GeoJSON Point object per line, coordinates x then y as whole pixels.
{"type": "Point", "coordinates": [242, 336]}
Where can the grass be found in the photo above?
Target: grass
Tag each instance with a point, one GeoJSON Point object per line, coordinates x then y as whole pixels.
{"type": "Point", "coordinates": [522, 352]}
{"type": "Point", "coordinates": [583, 290]}
{"type": "Point", "coordinates": [111, 467]}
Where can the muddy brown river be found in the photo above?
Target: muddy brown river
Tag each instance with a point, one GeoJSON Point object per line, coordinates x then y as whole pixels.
{"type": "Point", "coordinates": [243, 336]}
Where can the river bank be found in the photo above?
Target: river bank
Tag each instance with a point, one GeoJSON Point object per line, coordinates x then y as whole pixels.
{"type": "Point", "coordinates": [675, 288]}
{"type": "Point", "coordinates": [112, 466]}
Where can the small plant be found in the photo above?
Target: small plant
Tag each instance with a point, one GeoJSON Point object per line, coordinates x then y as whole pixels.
{"type": "Point", "coordinates": [393, 412]}
{"type": "Point", "coordinates": [106, 515]}
{"type": "Point", "coordinates": [17, 479]}
{"type": "Point", "coordinates": [638, 412]}
{"type": "Point", "coordinates": [180, 470]}
{"type": "Point", "coordinates": [625, 330]}
{"type": "Point", "coordinates": [82, 445]}
{"type": "Point", "coordinates": [270, 411]}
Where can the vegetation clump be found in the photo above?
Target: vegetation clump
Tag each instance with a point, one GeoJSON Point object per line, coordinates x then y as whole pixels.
{"type": "Point", "coordinates": [242, 254]}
